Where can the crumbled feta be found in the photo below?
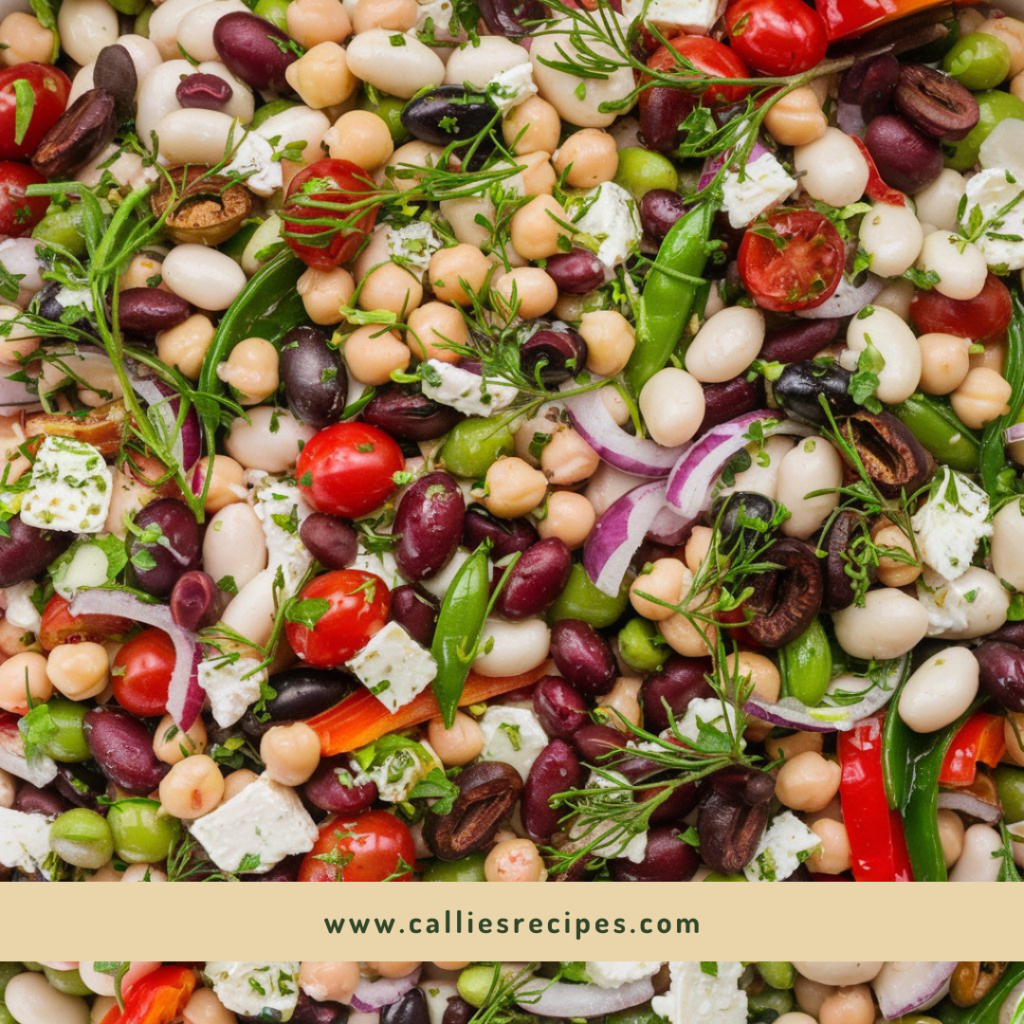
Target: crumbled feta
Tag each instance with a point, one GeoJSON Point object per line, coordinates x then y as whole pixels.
{"type": "Point", "coordinates": [508, 89]}
{"type": "Point", "coordinates": [265, 989]}
{"type": "Point", "coordinates": [461, 389]}
{"type": "Point", "coordinates": [946, 607]}
{"type": "Point", "coordinates": [616, 973]}
{"type": "Point", "coordinates": [512, 735]}
{"type": "Point", "coordinates": [70, 488]}
{"type": "Point", "coordinates": [24, 840]}
{"type": "Point", "coordinates": [255, 159]}
{"type": "Point", "coordinates": [281, 509]}
{"type": "Point", "coordinates": [995, 202]}
{"type": "Point", "coordinates": [398, 772]}
{"type": "Point", "coordinates": [763, 183]}
{"type": "Point", "coordinates": [951, 523]}
{"type": "Point", "coordinates": [699, 995]}
{"type": "Point", "coordinates": [18, 607]}
{"type": "Point", "coordinates": [694, 17]}
{"type": "Point", "coordinates": [412, 246]}
{"type": "Point", "coordinates": [256, 829]}
{"type": "Point", "coordinates": [609, 217]}
{"type": "Point", "coordinates": [68, 297]}
{"type": "Point", "coordinates": [706, 711]}
{"type": "Point", "coordinates": [437, 12]}
{"type": "Point", "coordinates": [232, 686]}
{"type": "Point", "coordinates": [785, 845]}
{"type": "Point", "coordinates": [380, 563]}
{"type": "Point", "coordinates": [393, 667]}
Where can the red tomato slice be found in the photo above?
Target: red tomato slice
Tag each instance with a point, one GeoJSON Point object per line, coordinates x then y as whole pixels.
{"type": "Point", "coordinates": [59, 626]}
{"type": "Point", "coordinates": [142, 673]}
{"type": "Point", "coordinates": [983, 318]}
{"type": "Point", "coordinates": [32, 98]}
{"type": "Point", "coordinates": [368, 848]}
{"type": "Point", "coordinates": [19, 214]}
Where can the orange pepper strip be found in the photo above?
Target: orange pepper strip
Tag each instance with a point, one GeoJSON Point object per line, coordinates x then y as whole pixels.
{"type": "Point", "coordinates": [158, 998]}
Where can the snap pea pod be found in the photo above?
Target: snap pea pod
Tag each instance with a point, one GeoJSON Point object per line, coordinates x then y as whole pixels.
{"type": "Point", "coordinates": [806, 665]}
{"type": "Point", "coordinates": [669, 293]}
{"type": "Point", "coordinates": [933, 422]}
{"type": "Point", "coordinates": [993, 448]}
{"type": "Point", "coordinates": [988, 1010]}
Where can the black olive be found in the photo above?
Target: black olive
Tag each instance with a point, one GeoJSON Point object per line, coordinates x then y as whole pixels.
{"type": "Point", "coordinates": [801, 385]}
{"type": "Point", "coordinates": [447, 114]}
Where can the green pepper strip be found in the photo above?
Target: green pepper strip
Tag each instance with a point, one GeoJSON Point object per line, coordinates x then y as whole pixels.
{"type": "Point", "coordinates": [806, 665]}
{"type": "Point", "coordinates": [669, 294]}
{"type": "Point", "coordinates": [993, 448]}
{"type": "Point", "coordinates": [933, 422]}
{"type": "Point", "coordinates": [988, 1010]}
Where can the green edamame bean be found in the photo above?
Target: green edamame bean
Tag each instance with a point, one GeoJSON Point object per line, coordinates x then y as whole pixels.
{"type": "Point", "coordinates": [141, 833]}
{"type": "Point", "coordinates": [68, 982]}
{"type": "Point", "coordinates": [129, 7]}
{"type": "Point", "coordinates": [274, 11]}
{"type": "Point", "coordinates": [993, 107]}
{"type": "Point", "coordinates": [142, 21]}
{"type": "Point", "coordinates": [1010, 785]}
{"type": "Point", "coordinates": [33, 966]}
{"type": "Point", "coordinates": [82, 837]}
{"type": "Point", "coordinates": [67, 742]}
{"type": "Point", "coordinates": [769, 1004]}
{"type": "Point", "coordinates": [582, 600]}
{"type": "Point", "coordinates": [641, 170]}
{"type": "Point", "coordinates": [8, 969]}
{"type": "Point", "coordinates": [806, 665]}
{"type": "Point", "coordinates": [468, 869]}
{"type": "Point", "coordinates": [235, 245]}
{"type": "Point", "coordinates": [978, 61]}
{"type": "Point", "coordinates": [473, 445]}
{"type": "Point", "coordinates": [476, 983]}
{"type": "Point", "coordinates": [717, 876]}
{"type": "Point", "coordinates": [777, 973]}
{"type": "Point", "coordinates": [642, 646]}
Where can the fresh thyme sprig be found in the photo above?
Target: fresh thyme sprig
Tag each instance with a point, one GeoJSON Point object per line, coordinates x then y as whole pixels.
{"type": "Point", "coordinates": [509, 991]}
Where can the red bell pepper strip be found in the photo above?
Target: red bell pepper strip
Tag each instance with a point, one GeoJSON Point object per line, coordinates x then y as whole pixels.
{"type": "Point", "coordinates": [878, 845]}
{"type": "Point", "coordinates": [845, 18]}
{"type": "Point", "coordinates": [981, 740]}
{"type": "Point", "coordinates": [158, 998]}
{"type": "Point", "coordinates": [876, 189]}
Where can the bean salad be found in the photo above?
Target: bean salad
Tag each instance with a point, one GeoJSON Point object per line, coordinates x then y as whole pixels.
{"type": "Point", "coordinates": [475, 440]}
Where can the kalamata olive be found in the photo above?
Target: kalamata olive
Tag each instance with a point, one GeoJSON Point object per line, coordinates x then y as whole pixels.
{"type": "Point", "coordinates": [447, 114]}
{"type": "Point", "coordinates": [666, 859]}
{"type": "Point", "coordinates": [81, 786]}
{"type": "Point", "coordinates": [31, 800]}
{"type": "Point", "coordinates": [846, 530]}
{"type": "Point", "coordinates": [458, 1011]}
{"type": "Point", "coordinates": [80, 134]}
{"type": "Point", "coordinates": [785, 600]}
{"type": "Point", "coordinates": [26, 551]}
{"type": "Point", "coordinates": [935, 103]}
{"type": "Point", "coordinates": [583, 656]}
{"type": "Point", "coordinates": [659, 209]}
{"type": "Point", "coordinates": [798, 341]}
{"type": "Point", "coordinates": [597, 743]}
{"type": "Point", "coordinates": [553, 356]}
{"type": "Point", "coordinates": [123, 749]}
{"type": "Point", "coordinates": [114, 71]}
{"type": "Point", "coordinates": [742, 513]}
{"type": "Point", "coordinates": [314, 375]}
{"type": "Point", "coordinates": [507, 535]}
{"type": "Point", "coordinates": [196, 600]}
{"type": "Point", "coordinates": [869, 84]}
{"type": "Point", "coordinates": [203, 91]}
{"type": "Point", "coordinates": [561, 709]}
{"type": "Point", "coordinates": [662, 111]}
{"type": "Point", "coordinates": [556, 770]}
{"type": "Point", "coordinates": [428, 526]}
{"type": "Point", "coordinates": [309, 1011]}
{"type": "Point", "coordinates": [332, 788]}
{"type": "Point", "coordinates": [148, 311]}
{"type": "Point", "coordinates": [801, 385]}
{"type": "Point", "coordinates": [408, 415]}
{"type": "Point", "coordinates": [50, 307]}
{"type": "Point", "coordinates": [1002, 673]}
{"type": "Point", "coordinates": [733, 816]}
{"type": "Point", "coordinates": [730, 399]}
{"type": "Point", "coordinates": [906, 158]}
{"type": "Point", "coordinates": [330, 540]}
{"type": "Point", "coordinates": [416, 612]}
{"type": "Point", "coordinates": [301, 694]}
{"type": "Point", "coordinates": [164, 545]}
{"type": "Point", "coordinates": [576, 272]}
{"type": "Point", "coordinates": [676, 806]}
{"type": "Point", "coordinates": [537, 579]}
{"type": "Point", "coordinates": [511, 17]}
{"type": "Point", "coordinates": [679, 681]}
{"type": "Point", "coordinates": [254, 50]}
{"type": "Point", "coordinates": [409, 1009]}
{"type": "Point", "coordinates": [893, 458]}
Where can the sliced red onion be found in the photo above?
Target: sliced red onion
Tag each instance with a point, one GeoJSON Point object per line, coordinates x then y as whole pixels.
{"type": "Point", "coordinates": [846, 300]}
{"type": "Point", "coordinates": [904, 986]}
{"type": "Point", "coordinates": [714, 164]}
{"type": "Point", "coordinates": [40, 771]}
{"type": "Point", "coordinates": [164, 404]}
{"type": "Point", "coordinates": [963, 801]}
{"type": "Point", "coordinates": [375, 995]}
{"type": "Point", "coordinates": [669, 527]}
{"type": "Point", "coordinates": [636, 455]}
{"type": "Point", "coordinates": [573, 1002]}
{"type": "Point", "coordinates": [1011, 435]}
{"type": "Point", "coordinates": [184, 696]}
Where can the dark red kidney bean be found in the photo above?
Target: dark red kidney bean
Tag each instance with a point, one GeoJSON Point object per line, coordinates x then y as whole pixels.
{"type": "Point", "coordinates": [511, 17]}
{"type": "Point", "coordinates": [31, 800]}
{"type": "Point", "coordinates": [409, 1009]}
{"type": "Point", "coordinates": [115, 72]}
{"type": "Point", "coordinates": [507, 535]}
{"type": "Point", "coordinates": [254, 50]}
{"type": "Point", "coordinates": [301, 694]}
{"type": "Point", "coordinates": [659, 209]}
{"type": "Point", "coordinates": [428, 526]}
{"type": "Point", "coordinates": [583, 656]}
{"type": "Point", "coordinates": [556, 770]}
{"type": "Point", "coordinates": [443, 115]}
{"type": "Point", "coordinates": [1002, 673]}
{"type": "Point", "coordinates": [196, 601]}
{"type": "Point", "coordinates": [81, 786]}
{"type": "Point", "coordinates": [416, 612]}
{"type": "Point", "coordinates": [1010, 633]}
{"type": "Point", "coordinates": [595, 742]}
{"type": "Point", "coordinates": [123, 749]}
{"type": "Point", "coordinates": [683, 799]}
{"type": "Point", "coordinates": [576, 272]}
{"type": "Point", "coordinates": [327, 791]}
{"type": "Point", "coordinates": [175, 550]}
{"type": "Point", "coordinates": [870, 83]}
{"type": "Point", "coordinates": [536, 580]}
{"type": "Point", "coordinates": [666, 859]}
{"type": "Point", "coordinates": [731, 398]}
{"type": "Point", "coordinates": [458, 1011]}
{"type": "Point", "coordinates": [679, 681]}
{"type": "Point", "coordinates": [906, 158]}
{"type": "Point", "coordinates": [553, 356]}
{"type": "Point", "coordinates": [150, 310]}
{"type": "Point", "coordinates": [561, 709]}
{"type": "Point", "coordinates": [79, 135]}
{"type": "Point", "coordinates": [798, 341]}
{"type": "Point", "coordinates": [203, 92]}
{"type": "Point", "coordinates": [309, 1011]}
{"type": "Point", "coordinates": [26, 551]}
{"type": "Point", "coordinates": [314, 375]}
{"type": "Point", "coordinates": [408, 415]}
{"type": "Point", "coordinates": [331, 541]}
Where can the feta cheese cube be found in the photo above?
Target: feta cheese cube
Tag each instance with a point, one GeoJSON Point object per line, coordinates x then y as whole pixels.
{"type": "Point", "coordinates": [710, 711]}
{"type": "Point", "coordinates": [70, 488]}
{"type": "Point", "coordinates": [281, 509]}
{"type": "Point", "coordinates": [994, 201]}
{"type": "Point", "coordinates": [256, 829]}
{"type": "Point", "coordinates": [616, 973]}
{"type": "Point", "coordinates": [265, 989]}
{"type": "Point", "coordinates": [412, 246]}
{"type": "Point", "coordinates": [763, 183]}
{"type": "Point", "coordinates": [254, 158]}
{"type": "Point", "coordinates": [699, 996]}
{"type": "Point", "coordinates": [398, 772]}
{"type": "Point", "coordinates": [609, 217]}
{"type": "Point", "coordinates": [508, 89]}
{"type": "Point", "coordinates": [785, 845]}
{"type": "Point", "coordinates": [512, 735]}
{"type": "Point", "coordinates": [393, 667]}
{"type": "Point", "coordinates": [24, 840]}
{"type": "Point", "coordinates": [694, 17]}
{"type": "Point", "coordinates": [231, 686]}
{"type": "Point", "coordinates": [380, 563]}
{"type": "Point", "coordinates": [461, 389]}
{"type": "Point", "coordinates": [951, 523]}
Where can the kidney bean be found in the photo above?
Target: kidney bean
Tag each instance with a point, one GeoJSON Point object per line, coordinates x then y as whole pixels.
{"type": "Point", "coordinates": [174, 550]}
{"type": "Point", "coordinates": [409, 1009]}
{"type": "Point", "coordinates": [679, 681]}
{"type": "Point", "coordinates": [428, 525]}
{"type": "Point", "coordinates": [583, 656]}
{"type": "Point", "coordinates": [31, 800]}
{"type": "Point", "coordinates": [733, 816]}
{"type": "Point", "coordinates": [1002, 673]}
{"type": "Point", "coordinates": [458, 1011]}
{"type": "Point", "coordinates": [556, 770]}
{"type": "Point", "coordinates": [408, 415]}
{"type": "Point", "coordinates": [906, 158]}
{"type": "Point", "coordinates": [301, 694]}
{"type": "Point", "coordinates": [309, 1011]}
{"type": "Point", "coordinates": [148, 311]}
{"type": "Point", "coordinates": [123, 749]}
{"type": "Point", "coordinates": [1010, 633]}
{"type": "Point", "coordinates": [416, 612]}
{"type": "Point", "coordinates": [314, 375]}
{"type": "Point", "coordinates": [327, 791]}
{"type": "Point", "coordinates": [560, 708]}
{"type": "Point", "coordinates": [115, 72]}
{"type": "Point", "coordinates": [731, 398]}
{"type": "Point", "coordinates": [537, 579]}
{"type": "Point", "coordinates": [676, 806]}
{"type": "Point", "coordinates": [331, 541]}
{"type": "Point", "coordinates": [797, 342]}
{"type": "Point", "coordinates": [553, 356]}
{"type": "Point", "coordinates": [666, 859]}
{"type": "Point", "coordinates": [254, 50]}
{"type": "Point", "coordinates": [511, 17]}
{"type": "Point", "coordinates": [26, 551]}
{"type": "Point", "coordinates": [196, 601]}
{"type": "Point", "coordinates": [659, 209]}
{"type": "Point", "coordinates": [80, 134]}
{"type": "Point", "coordinates": [576, 272]}
{"type": "Point", "coordinates": [595, 742]}
{"type": "Point", "coordinates": [507, 535]}
{"type": "Point", "coordinates": [442, 115]}
{"type": "Point", "coordinates": [203, 91]}
{"type": "Point", "coordinates": [870, 84]}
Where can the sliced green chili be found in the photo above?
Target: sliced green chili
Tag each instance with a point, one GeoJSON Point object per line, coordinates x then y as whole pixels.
{"type": "Point", "coordinates": [993, 447]}
{"type": "Point", "coordinates": [933, 422]}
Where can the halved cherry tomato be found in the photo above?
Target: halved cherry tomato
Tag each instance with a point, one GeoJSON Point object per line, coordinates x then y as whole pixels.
{"type": "Point", "coordinates": [347, 469]}
{"type": "Point", "coordinates": [158, 998]}
{"type": "Point", "coordinates": [59, 626]}
{"type": "Point", "coordinates": [142, 673]}
{"type": "Point", "coordinates": [32, 98]}
{"type": "Point", "coordinates": [368, 848]}
{"type": "Point", "coordinates": [983, 318]}
{"type": "Point", "coordinates": [356, 609]}
{"type": "Point", "coordinates": [981, 740]}
{"type": "Point", "coordinates": [319, 208]}
{"type": "Point", "coordinates": [776, 37]}
{"type": "Point", "coordinates": [791, 259]}
{"type": "Point", "coordinates": [19, 213]}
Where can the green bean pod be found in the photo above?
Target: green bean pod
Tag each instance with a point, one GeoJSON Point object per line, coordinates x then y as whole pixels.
{"type": "Point", "coordinates": [993, 447]}
{"type": "Point", "coordinates": [939, 429]}
{"type": "Point", "coordinates": [806, 665]}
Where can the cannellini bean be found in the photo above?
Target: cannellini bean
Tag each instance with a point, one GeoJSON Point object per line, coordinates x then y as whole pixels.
{"type": "Point", "coordinates": [156, 96]}
{"type": "Point", "coordinates": [839, 972]}
{"type": "Point", "coordinates": [763, 475]}
{"type": "Point", "coordinates": [1008, 544]}
{"type": "Point", "coordinates": [298, 124]}
{"type": "Point", "coordinates": [672, 405]}
{"type": "Point", "coordinates": [478, 62]}
{"type": "Point", "coordinates": [959, 264]}
{"type": "Point", "coordinates": [892, 236]}
{"type": "Point", "coordinates": [234, 544]}
{"type": "Point", "coordinates": [979, 862]}
{"type": "Point", "coordinates": [812, 465]}
{"type": "Point", "coordinates": [895, 342]}
{"type": "Point", "coordinates": [726, 345]}
{"type": "Point", "coordinates": [205, 277]}
{"type": "Point", "coordinates": [890, 624]}
{"type": "Point", "coordinates": [398, 70]}
{"type": "Point", "coordinates": [937, 203]}
{"type": "Point", "coordinates": [940, 691]}
{"type": "Point", "coordinates": [241, 105]}
{"type": "Point", "coordinates": [256, 446]}
{"type": "Point", "coordinates": [832, 168]}
{"type": "Point", "coordinates": [462, 215]}
{"type": "Point", "coordinates": [30, 999]}
{"type": "Point", "coordinates": [195, 29]}
{"type": "Point", "coordinates": [517, 647]}
{"type": "Point", "coordinates": [163, 25]}
{"type": "Point", "coordinates": [85, 27]}
{"type": "Point", "coordinates": [251, 613]}
{"type": "Point", "coordinates": [195, 136]}
{"type": "Point", "coordinates": [104, 985]}
{"type": "Point", "coordinates": [978, 599]}
{"type": "Point", "coordinates": [896, 295]}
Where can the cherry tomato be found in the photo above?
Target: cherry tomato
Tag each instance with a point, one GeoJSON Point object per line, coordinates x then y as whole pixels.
{"type": "Point", "coordinates": [791, 259]}
{"type": "Point", "coordinates": [334, 236]}
{"type": "Point", "coordinates": [347, 469]}
{"type": "Point", "coordinates": [39, 101]}
{"type": "Point", "coordinates": [983, 318]}
{"type": "Point", "coordinates": [19, 214]}
{"type": "Point", "coordinates": [59, 626]}
{"type": "Point", "coordinates": [776, 37]}
{"type": "Point", "coordinates": [158, 998]}
{"type": "Point", "coordinates": [352, 606]}
{"type": "Point", "coordinates": [142, 673]}
{"type": "Point", "coordinates": [367, 848]}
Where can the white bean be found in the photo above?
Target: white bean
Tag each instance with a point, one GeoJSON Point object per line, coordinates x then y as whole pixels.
{"type": "Point", "coordinates": [979, 862]}
{"type": "Point", "coordinates": [438, 584]}
{"type": "Point", "coordinates": [937, 204]}
{"type": "Point", "coordinates": [940, 691]}
{"type": "Point", "coordinates": [157, 98]}
{"type": "Point", "coordinates": [205, 277]}
{"type": "Point", "coordinates": [462, 215]}
{"type": "Point", "coordinates": [397, 70]}
{"type": "Point", "coordinates": [255, 446]}
{"type": "Point", "coordinates": [890, 624]}
{"type": "Point", "coordinates": [8, 789]}
{"type": "Point", "coordinates": [980, 598]}
{"type": "Point", "coordinates": [143, 52]}
{"type": "Point", "coordinates": [726, 345]}
{"type": "Point", "coordinates": [234, 544]}
{"type": "Point", "coordinates": [812, 465]}
{"type": "Point", "coordinates": [195, 30]}
{"type": "Point", "coordinates": [103, 984]}
{"type": "Point", "coordinates": [31, 1000]}
{"type": "Point", "coordinates": [196, 136]}
{"type": "Point", "coordinates": [477, 63]}
{"type": "Point", "coordinates": [163, 26]}
{"type": "Point", "coordinates": [672, 405]}
{"type": "Point", "coordinates": [18, 257]}
{"type": "Point", "coordinates": [251, 613]}
{"type": "Point", "coordinates": [892, 236]}
{"type": "Point", "coordinates": [895, 342]}
{"type": "Point", "coordinates": [896, 295]}
{"type": "Point", "coordinates": [241, 105]}
{"type": "Point", "coordinates": [298, 124]}
{"type": "Point", "coordinates": [517, 647]}
{"type": "Point", "coordinates": [1008, 544]}
{"type": "Point", "coordinates": [959, 264]}
{"type": "Point", "coordinates": [607, 485]}
{"type": "Point", "coordinates": [763, 475]}
{"type": "Point", "coordinates": [832, 168]}
{"type": "Point", "coordinates": [839, 972]}
{"type": "Point", "coordinates": [81, 83]}
{"type": "Point", "coordinates": [85, 27]}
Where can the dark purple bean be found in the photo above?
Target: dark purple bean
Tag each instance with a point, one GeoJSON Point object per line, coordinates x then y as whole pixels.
{"type": "Point", "coordinates": [507, 535]}
{"type": "Point", "coordinates": [553, 356]}
{"type": "Point", "coordinates": [458, 1011]}
{"type": "Point", "coordinates": [1010, 633]}
{"type": "Point", "coordinates": [796, 342]}
{"type": "Point", "coordinates": [428, 526]}
{"type": "Point", "coordinates": [409, 1009]}
{"type": "Point", "coordinates": [26, 551]}
{"type": "Point", "coordinates": [560, 708]}
{"type": "Point", "coordinates": [666, 859]}
{"type": "Point", "coordinates": [314, 375]}
{"type": "Point", "coordinates": [80, 134]}
{"type": "Point", "coordinates": [936, 103]}
{"type": "Point", "coordinates": [196, 601]}
{"type": "Point", "coordinates": [409, 416]}
{"type": "Point", "coordinates": [676, 806]}
{"type": "Point", "coordinates": [511, 17]}
{"type": "Point", "coordinates": [123, 749]}
{"type": "Point", "coordinates": [906, 158]}
{"type": "Point", "coordinates": [148, 311]}
{"type": "Point", "coordinates": [81, 786]}
{"type": "Point", "coordinates": [254, 50]}
{"type": "Point", "coordinates": [331, 788]}
{"type": "Point", "coordinates": [301, 694]}
{"type": "Point", "coordinates": [446, 114]}
{"type": "Point", "coordinates": [203, 92]}
{"type": "Point", "coordinates": [1002, 673]}
{"type": "Point", "coordinates": [309, 1011]}
{"type": "Point", "coordinates": [556, 770]}
{"type": "Point", "coordinates": [583, 656]}
{"type": "Point", "coordinates": [679, 681]}
{"type": "Point", "coordinates": [31, 800]}
{"type": "Point", "coordinates": [662, 110]}
{"type": "Point", "coordinates": [169, 546]}
{"type": "Point", "coordinates": [659, 209]}
{"type": "Point", "coordinates": [596, 742]}
{"type": "Point", "coordinates": [731, 398]}
{"type": "Point", "coordinates": [416, 612]}
{"type": "Point", "coordinates": [576, 272]}
{"type": "Point", "coordinates": [114, 71]}
{"type": "Point", "coordinates": [331, 541]}
{"type": "Point", "coordinates": [537, 579]}
{"type": "Point", "coordinates": [870, 83]}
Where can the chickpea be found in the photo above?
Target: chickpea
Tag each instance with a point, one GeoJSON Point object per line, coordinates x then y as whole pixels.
{"type": "Point", "coordinates": [324, 292]}
{"type": "Point", "coordinates": [526, 292]}
{"type": "Point", "coordinates": [321, 76]}
{"type": "Point", "coordinates": [850, 1004]}
{"type": "Point", "coordinates": [252, 370]}
{"type": "Point", "coordinates": [142, 272]}
{"type": "Point", "coordinates": [951, 836]}
{"type": "Point", "coordinates": [21, 678]}
{"type": "Point", "coordinates": [311, 22]}
{"type": "Point", "coordinates": [513, 488]}
{"type": "Point", "coordinates": [186, 345]}
{"type": "Point", "coordinates": [458, 745]}
{"type": "Point", "coordinates": [532, 126]}
{"type": "Point", "coordinates": [451, 965]}
{"type": "Point", "coordinates": [171, 745]}
{"type": "Point", "coordinates": [833, 856]}
{"type": "Point", "coordinates": [393, 968]}
{"type": "Point", "coordinates": [393, 15]}
{"type": "Point", "coordinates": [205, 1008]}
{"type": "Point", "coordinates": [411, 155]}
{"type": "Point", "coordinates": [610, 339]}
{"type": "Point", "coordinates": [329, 980]}
{"type": "Point", "coordinates": [453, 270]}
{"type": "Point", "coordinates": [568, 459]}
{"type": "Point", "coordinates": [143, 873]}
{"type": "Point", "coordinates": [759, 672]}
{"type": "Point", "coordinates": [372, 353]}
{"type": "Point", "coordinates": [515, 860]}
{"type": "Point", "coordinates": [227, 484]}
{"type": "Point", "coordinates": [361, 137]}
{"type": "Point", "coordinates": [537, 175]}
{"type": "Point", "coordinates": [570, 517]}
{"type": "Point", "coordinates": [690, 639]}
{"type": "Point", "coordinates": [14, 639]}
{"type": "Point", "coordinates": [811, 994]}
{"type": "Point", "coordinates": [538, 228]}
{"type": "Point", "coordinates": [433, 329]}
{"type": "Point", "coordinates": [193, 787]}
{"type": "Point", "coordinates": [290, 752]}
{"type": "Point", "coordinates": [1011, 32]}
{"type": "Point", "coordinates": [895, 572]}
{"type": "Point", "coordinates": [391, 288]}
{"type": "Point", "coordinates": [622, 699]}
{"type": "Point", "coordinates": [79, 671]}
{"type": "Point", "coordinates": [983, 396]}
{"type": "Point", "coordinates": [697, 547]}
{"type": "Point", "coordinates": [945, 361]}
{"type": "Point", "coordinates": [589, 157]}
{"type": "Point", "coordinates": [1013, 733]}
{"type": "Point", "coordinates": [237, 781]}
{"type": "Point", "coordinates": [796, 119]}
{"type": "Point", "coordinates": [24, 39]}
{"type": "Point", "coordinates": [992, 356]}
{"type": "Point", "coordinates": [783, 748]}
{"type": "Point", "coordinates": [8, 789]}
{"type": "Point", "coordinates": [795, 1017]}
{"type": "Point", "coordinates": [807, 782]}
{"type": "Point", "coordinates": [665, 580]}
{"type": "Point", "coordinates": [615, 404]}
